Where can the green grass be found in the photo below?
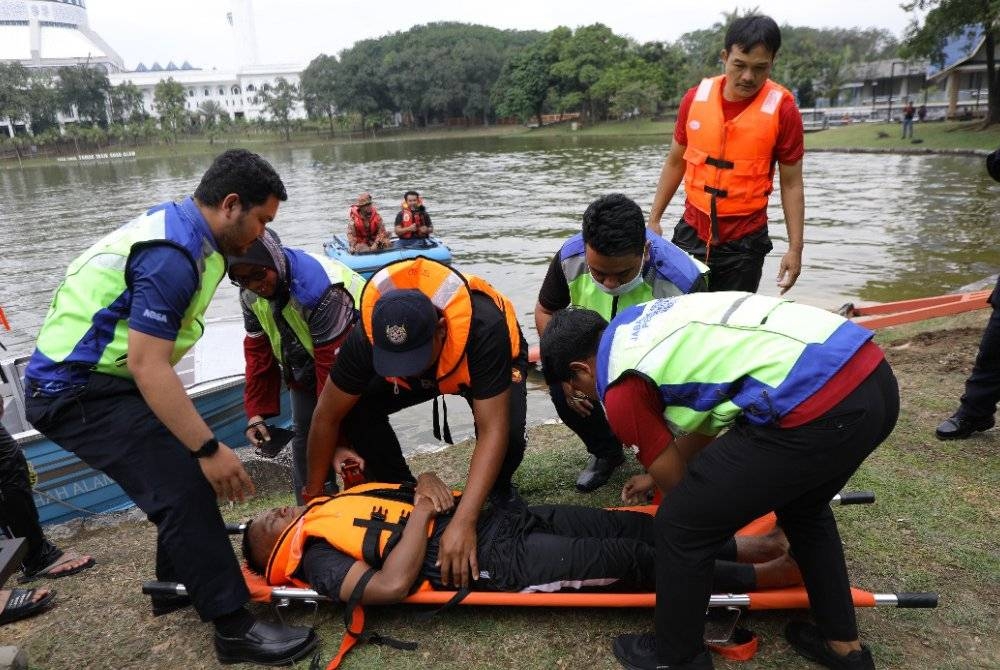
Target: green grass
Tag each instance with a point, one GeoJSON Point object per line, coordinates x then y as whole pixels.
{"type": "Point", "coordinates": [936, 136]}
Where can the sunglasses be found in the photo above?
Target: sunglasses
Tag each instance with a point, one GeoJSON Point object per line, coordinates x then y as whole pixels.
{"type": "Point", "coordinates": [255, 275]}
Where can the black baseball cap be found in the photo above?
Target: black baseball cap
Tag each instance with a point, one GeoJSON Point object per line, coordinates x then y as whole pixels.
{"type": "Point", "coordinates": [403, 325]}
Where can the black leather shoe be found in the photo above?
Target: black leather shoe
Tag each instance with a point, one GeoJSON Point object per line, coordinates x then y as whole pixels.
{"type": "Point", "coordinates": [597, 473]}
{"type": "Point", "coordinates": [266, 644]}
{"type": "Point", "coordinates": [637, 651]}
{"type": "Point", "coordinates": [960, 427]}
{"type": "Point", "coordinates": [806, 639]}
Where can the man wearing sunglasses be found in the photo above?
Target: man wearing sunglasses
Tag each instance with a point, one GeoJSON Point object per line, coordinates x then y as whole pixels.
{"type": "Point", "coordinates": [297, 309]}
{"type": "Point", "coordinates": [614, 263]}
{"type": "Point", "coordinates": [101, 384]}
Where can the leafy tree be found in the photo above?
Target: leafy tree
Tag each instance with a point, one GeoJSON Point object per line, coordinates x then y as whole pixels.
{"type": "Point", "coordinates": [581, 63]}
{"type": "Point", "coordinates": [211, 112]}
{"type": "Point", "coordinates": [86, 88]}
{"type": "Point", "coordinates": [42, 102]}
{"type": "Point", "coordinates": [125, 102]}
{"type": "Point", "coordinates": [13, 100]}
{"type": "Point", "coordinates": [169, 101]}
{"type": "Point", "coordinates": [523, 85]}
{"type": "Point", "coordinates": [317, 84]}
{"type": "Point", "coordinates": [279, 102]}
{"type": "Point", "coordinates": [948, 18]}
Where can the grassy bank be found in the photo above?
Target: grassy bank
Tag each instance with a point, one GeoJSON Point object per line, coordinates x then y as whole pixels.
{"type": "Point", "coordinates": [875, 137]}
{"type": "Point", "coordinates": [932, 528]}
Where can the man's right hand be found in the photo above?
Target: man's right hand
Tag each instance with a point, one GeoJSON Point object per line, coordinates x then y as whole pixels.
{"type": "Point", "coordinates": [576, 401]}
{"type": "Point", "coordinates": [225, 472]}
{"type": "Point", "coordinates": [654, 225]}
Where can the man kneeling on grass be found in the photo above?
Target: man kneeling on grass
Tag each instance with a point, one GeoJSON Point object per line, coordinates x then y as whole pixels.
{"type": "Point", "coordinates": [394, 530]}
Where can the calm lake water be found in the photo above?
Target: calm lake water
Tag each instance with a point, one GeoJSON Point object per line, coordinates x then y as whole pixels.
{"type": "Point", "coordinates": [878, 227]}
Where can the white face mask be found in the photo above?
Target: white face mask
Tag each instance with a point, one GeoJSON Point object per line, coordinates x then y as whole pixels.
{"type": "Point", "coordinates": [621, 289]}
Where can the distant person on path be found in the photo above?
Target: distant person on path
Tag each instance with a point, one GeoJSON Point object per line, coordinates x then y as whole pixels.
{"type": "Point", "coordinates": [297, 309]}
{"type": "Point", "coordinates": [921, 113]}
{"type": "Point", "coordinates": [366, 231]}
{"type": "Point", "coordinates": [908, 113]}
{"type": "Point", "coordinates": [101, 384]}
{"type": "Point", "coordinates": [728, 175]}
{"type": "Point", "coordinates": [412, 220]}
{"type": "Point", "coordinates": [614, 263]}
{"type": "Point", "coordinates": [978, 405]}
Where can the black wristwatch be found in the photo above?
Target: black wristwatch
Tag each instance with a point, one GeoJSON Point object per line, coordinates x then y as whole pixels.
{"type": "Point", "coordinates": [210, 447]}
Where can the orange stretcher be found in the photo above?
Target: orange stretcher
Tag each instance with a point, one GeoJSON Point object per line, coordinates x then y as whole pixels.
{"type": "Point", "coordinates": [882, 315]}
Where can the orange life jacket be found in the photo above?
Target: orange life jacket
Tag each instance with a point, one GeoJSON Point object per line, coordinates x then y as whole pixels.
{"type": "Point", "coordinates": [364, 522]}
{"type": "Point", "coordinates": [451, 293]}
{"type": "Point", "coordinates": [729, 163]}
{"type": "Point", "coordinates": [410, 217]}
{"type": "Point", "coordinates": [366, 230]}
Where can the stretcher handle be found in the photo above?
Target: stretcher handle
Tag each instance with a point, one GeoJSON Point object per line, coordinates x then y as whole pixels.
{"type": "Point", "coordinates": [163, 589]}
{"type": "Point", "coordinates": [854, 498]}
{"type": "Point", "coordinates": [918, 599]}
{"type": "Point", "coordinates": [236, 528]}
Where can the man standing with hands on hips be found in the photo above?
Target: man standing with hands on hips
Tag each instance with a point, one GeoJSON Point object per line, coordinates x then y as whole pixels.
{"type": "Point", "coordinates": [730, 131]}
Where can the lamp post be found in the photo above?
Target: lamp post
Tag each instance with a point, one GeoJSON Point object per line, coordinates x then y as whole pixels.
{"type": "Point", "coordinates": [874, 86]}
{"type": "Point", "coordinates": [892, 71]}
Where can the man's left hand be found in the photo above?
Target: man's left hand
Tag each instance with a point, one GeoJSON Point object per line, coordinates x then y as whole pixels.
{"type": "Point", "coordinates": [457, 553]}
{"type": "Point", "coordinates": [430, 486]}
{"type": "Point", "coordinates": [789, 270]}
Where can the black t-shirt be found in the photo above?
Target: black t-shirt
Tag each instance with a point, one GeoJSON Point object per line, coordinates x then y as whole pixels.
{"type": "Point", "coordinates": [488, 351]}
{"type": "Point", "coordinates": [554, 294]}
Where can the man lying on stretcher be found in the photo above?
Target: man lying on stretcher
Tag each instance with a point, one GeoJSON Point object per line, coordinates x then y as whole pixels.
{"type": "Point", "coordinates": [333, 543]}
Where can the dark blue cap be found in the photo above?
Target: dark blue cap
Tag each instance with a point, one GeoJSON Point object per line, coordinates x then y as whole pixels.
{"type": "Point", "coordinates": [403, 325]}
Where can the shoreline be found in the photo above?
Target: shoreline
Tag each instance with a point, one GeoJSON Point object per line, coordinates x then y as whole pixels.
{"type": "Point", "coordinates": [945, 138]}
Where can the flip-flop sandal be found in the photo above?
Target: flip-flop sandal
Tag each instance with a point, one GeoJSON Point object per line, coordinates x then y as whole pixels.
{"type": "Point", "coordinates": [20, 604]}
{"type": "Point", "coordinates": [68, 556]}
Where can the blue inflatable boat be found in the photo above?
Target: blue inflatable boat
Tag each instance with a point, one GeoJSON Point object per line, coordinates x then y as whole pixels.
{"type": "Point", "coordinates": [367, 262]}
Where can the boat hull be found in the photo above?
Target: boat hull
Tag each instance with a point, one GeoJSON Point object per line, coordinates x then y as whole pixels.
{"type": "Point", "coordinates": [366, 263]}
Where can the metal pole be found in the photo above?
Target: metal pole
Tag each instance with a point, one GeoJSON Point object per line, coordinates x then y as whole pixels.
{"type": "Point", "coordinates": [892, 71]}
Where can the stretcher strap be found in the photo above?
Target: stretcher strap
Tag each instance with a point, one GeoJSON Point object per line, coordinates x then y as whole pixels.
{"type": "Point", "coordinates": [742, 647]}
{"type": "Point", "coordinates": [354, 623]}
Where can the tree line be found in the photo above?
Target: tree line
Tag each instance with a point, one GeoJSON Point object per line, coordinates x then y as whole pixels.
{"type": "Point", "coordinates": [441, 71]}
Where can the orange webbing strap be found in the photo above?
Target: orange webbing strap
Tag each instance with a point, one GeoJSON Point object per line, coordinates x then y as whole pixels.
{"type": "Point", "coordinates": [742, 647]}
{"type": "Point", "coordinates": [3, 320]}
{"type": "Point", "coordinates": [354, 622]}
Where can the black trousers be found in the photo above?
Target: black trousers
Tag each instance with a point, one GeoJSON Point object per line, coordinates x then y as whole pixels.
{"type": "Point", "coordinates": [593, 430]}
{"type": "Point", "coordinates": [370, 434]}
{"type": "Point", "coordinates": [552, 547]}
{"type": "Point", "coordinates": [736, 265]}
{"type": "Point", "coordinates": [109, 426]}
{"type": "Point", "coordinates": [982, 388]}
{"type": "Point", "coordinates": [18, 514]}
{"type": "Point", "coordinates": [747, 472]}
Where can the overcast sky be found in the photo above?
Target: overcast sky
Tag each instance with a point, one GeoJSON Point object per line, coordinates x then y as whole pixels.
{"type": "Point", "coordinates": [295, 31]}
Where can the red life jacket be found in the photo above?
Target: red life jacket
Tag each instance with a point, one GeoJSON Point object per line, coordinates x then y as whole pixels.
{"type": "Point", "coordinates": [410, 217]}
{"type": "Point", "coordinates": [366, 230]}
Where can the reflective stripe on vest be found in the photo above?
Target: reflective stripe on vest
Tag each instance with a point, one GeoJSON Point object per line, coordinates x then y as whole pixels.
{"type": "Point", "coordinates": [86, 328]}
{"type": "Point", "coordinates": [716, 356]}
{"type": "Point", "coordinates": [669, 272]}
{"type": "Point", "coordinates": [731, 159]}
{"type": "Point", "coordinates": [310, 275]}
{"type": "Point", "coordinates": [451, 293]}
{"type": "Point", "coordinates": [364, 522]}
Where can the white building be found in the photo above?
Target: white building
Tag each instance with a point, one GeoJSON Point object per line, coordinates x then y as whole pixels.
{"type": "Point", "coordinates": [55, 33]}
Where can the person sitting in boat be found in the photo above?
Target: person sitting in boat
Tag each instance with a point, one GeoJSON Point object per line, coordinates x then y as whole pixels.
{"type": "Point", "coordinates": [366, 231]}
{"type": "Point", "coordinates": [615, 262]}
{"type": "Point", "coordinates": [543, 548]}
{"type": "Point", "coordinates": [412, 220]}
{"type": "Point", "coordinates": [297, 309]}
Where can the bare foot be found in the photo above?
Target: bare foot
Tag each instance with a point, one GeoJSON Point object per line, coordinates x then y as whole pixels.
{"type": "Point", "coordinates": [69, 566]}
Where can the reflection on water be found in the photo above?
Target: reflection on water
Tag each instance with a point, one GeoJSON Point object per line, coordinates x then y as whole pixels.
{"type": "Point", "coordinates": [878, 227]}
